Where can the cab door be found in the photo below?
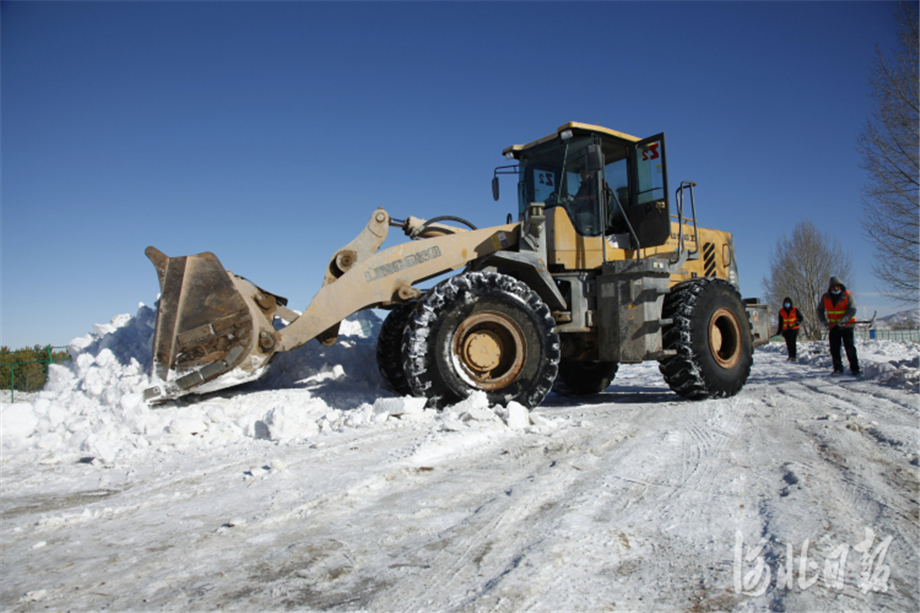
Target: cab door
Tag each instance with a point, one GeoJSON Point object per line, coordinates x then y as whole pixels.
{"type": "Point", "coordinates": [649, 194]}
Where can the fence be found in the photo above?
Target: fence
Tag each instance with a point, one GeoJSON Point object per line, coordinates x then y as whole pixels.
{"type": "Point", "coordinates": [32, 374]}
{"type": "Point", "coordinates": [889, 335]}
{"type": "Point", "coordinates": [867, 334]}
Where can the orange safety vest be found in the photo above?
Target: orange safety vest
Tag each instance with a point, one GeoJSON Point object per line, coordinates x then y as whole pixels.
{"type": "Point", "coordinates": [836, 312]}
{"type": "Point", "coordinates": [790, 321]}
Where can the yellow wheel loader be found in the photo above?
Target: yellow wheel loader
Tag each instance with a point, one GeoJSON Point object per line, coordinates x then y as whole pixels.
{"type": "Point", "coordinates": [601, 268]}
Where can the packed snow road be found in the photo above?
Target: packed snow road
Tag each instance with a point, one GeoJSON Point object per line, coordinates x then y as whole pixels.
{"type": "Point", "coordinates": [800, 493]}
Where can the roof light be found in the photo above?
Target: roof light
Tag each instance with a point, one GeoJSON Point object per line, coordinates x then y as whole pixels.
{"type": "Point", "coordinates": [565, 134]}
{"type": "Point", "coordinates": [509, 155]}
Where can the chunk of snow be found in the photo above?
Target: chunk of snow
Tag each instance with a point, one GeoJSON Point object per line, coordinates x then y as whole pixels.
{"type": "Point", "coordinates": [518, 416]}
{"type": "Point", "coordinates": [17, 421]}
{"type": "Point", "coordinates": [287, 422]}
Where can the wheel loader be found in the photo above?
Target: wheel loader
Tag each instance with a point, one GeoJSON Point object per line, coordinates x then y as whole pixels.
{"type": "Point", "coordinates": [602, 267]}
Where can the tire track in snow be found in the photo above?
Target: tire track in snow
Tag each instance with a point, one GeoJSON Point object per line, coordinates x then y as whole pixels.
{"type": "Point", "coordinates": [847, 478]}
{"type": "Point", "coordinates": [632, 505]}
{"type": "Point", "coordinates": [523, 515]}
{"type": "Point", "coordinates": [637, 482]}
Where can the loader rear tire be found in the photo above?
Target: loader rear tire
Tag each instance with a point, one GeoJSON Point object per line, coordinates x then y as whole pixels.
{"type": "Point", "coordinates": [481, 331]}
{"type": "Point", "coordinates": [712, 336]}
{"type": "Point", "coordinates": [584, 378]}
{"type": "Point", "coordinates": [389, 349]}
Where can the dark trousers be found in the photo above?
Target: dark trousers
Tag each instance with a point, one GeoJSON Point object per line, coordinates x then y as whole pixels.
{"type": "Point", "coordinates": [836, 336]}
{"type": "Point", "coordinates": [790, 336]}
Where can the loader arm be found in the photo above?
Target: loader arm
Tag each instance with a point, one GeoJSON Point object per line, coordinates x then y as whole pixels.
{"type": "Point", "coordinates": [387, 277]}
{"type": "Point", "coordinates": [216, 329]}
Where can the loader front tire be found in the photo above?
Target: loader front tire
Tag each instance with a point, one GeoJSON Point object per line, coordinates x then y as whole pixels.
{"type": "Point", "coordinates": [584, 377]}
{"type": "Point", "coordinates": [481, 331]}
{"type": "Point", "coordinates": [712, 336]}
{"type": "Point", "coordinates": [389, 349]}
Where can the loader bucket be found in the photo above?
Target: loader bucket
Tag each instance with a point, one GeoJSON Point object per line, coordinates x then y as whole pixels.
{"type": "Point", "coordinates": [204, 326]}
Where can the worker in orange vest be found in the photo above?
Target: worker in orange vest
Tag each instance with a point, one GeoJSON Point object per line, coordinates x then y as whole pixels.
{"type": "Point", "coordinates": [837, 312]}
{"type": "Point", "coordinates": [790, 320]}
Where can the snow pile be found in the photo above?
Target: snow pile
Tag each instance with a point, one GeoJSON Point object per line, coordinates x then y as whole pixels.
{"type": "Point", "coordinates": [894, 363]}
{"type": "Point", "coordinates": [891, 362]}
{"type": "Point", "coordinates": [93, 406]}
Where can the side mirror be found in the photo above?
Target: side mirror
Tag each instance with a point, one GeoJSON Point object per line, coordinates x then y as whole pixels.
{"type": "Point", "coordinates": [594, 158]}
{"type": "Point", "coordinates": [495, 188]}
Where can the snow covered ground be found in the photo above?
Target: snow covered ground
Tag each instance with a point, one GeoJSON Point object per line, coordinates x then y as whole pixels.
{"type": "Point", "coordinates": [315, 488]}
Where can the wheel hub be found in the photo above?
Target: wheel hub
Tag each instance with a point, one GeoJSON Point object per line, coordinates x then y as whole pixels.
{"type": "Point", "coordinates": [482, 350]}
{"type": "Point", "coordinates": [725, 338]}
{"type": "Point", "coordinates": [490, 349]}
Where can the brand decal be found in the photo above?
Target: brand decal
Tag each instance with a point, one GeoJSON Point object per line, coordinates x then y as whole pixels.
{"type": "Point", "coordinates": [409, 261]}
{"type": "Point", "coordinates": [500, 241]}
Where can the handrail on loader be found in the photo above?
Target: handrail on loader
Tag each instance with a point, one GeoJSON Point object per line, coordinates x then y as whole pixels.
{"type": "Point", "coordinates": [679, 203]}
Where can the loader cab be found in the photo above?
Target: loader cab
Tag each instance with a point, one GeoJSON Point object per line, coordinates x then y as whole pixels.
{"type": "Point", "coordinates": [608, 183]}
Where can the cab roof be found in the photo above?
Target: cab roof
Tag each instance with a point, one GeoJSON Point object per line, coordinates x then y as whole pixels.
{"type": "Point", "coordinates": [577, 128]}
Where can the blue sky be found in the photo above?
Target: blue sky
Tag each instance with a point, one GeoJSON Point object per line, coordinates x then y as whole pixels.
{"type": "Point", "coordinates": [267, 133]}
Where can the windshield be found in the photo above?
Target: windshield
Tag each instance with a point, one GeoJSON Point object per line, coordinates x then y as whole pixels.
{"type": "Point", "coordinates": [557, 175]}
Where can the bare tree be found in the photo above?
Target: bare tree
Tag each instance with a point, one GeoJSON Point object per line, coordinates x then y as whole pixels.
{"type": "Point", "coordinates": [889, 144]}
{"type": "Point", "coordinates": [801, 267]}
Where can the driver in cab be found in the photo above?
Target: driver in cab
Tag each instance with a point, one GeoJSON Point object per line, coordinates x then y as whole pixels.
{"type": "Point", "coordinates": [584, 208]}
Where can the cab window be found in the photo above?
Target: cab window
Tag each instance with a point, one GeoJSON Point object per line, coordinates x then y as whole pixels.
{"type": "Point", "coordinates": [650, 171]}
{"type": "Point", "coordinates": [544, 184]}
